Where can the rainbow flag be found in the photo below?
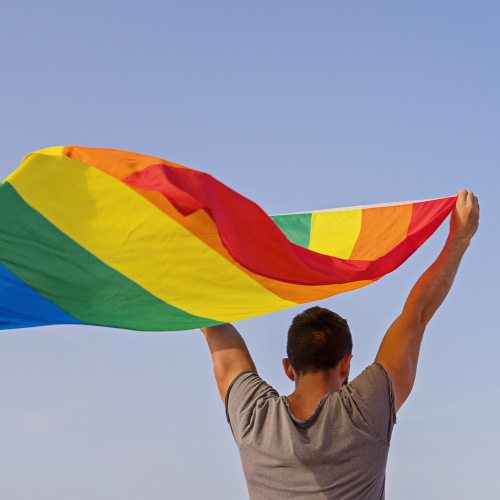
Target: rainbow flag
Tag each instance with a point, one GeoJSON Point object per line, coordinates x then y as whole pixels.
{"type": "Point", "coordinates": [112, 238]}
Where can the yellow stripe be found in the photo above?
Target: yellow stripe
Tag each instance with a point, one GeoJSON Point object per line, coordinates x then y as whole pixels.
{"type": "Point", "coordinates": [335, 233]}
{"type": "Point", "coordinates": [131, 235]}
{"type": "Point", "coordinates": [55, 151]}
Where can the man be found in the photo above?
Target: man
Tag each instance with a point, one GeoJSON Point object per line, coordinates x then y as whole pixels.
{"type": "Point", "coordinates": [330, 439]}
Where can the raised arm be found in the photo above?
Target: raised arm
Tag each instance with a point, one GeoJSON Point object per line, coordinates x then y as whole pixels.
{"type": "Point", "coordinates": [400, 348]}
{"type": "Point", "coordinates": [229, 353]}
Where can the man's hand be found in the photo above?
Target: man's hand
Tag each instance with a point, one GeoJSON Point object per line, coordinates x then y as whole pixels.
{"type": "Point", "coordinates": [465, 218]}
{"type": "Point", "coordinates": [229, 353]}
{"type": "Point", "coordinates": [400, 348]}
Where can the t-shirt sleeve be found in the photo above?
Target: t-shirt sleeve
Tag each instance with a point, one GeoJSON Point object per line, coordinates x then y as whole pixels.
{"type": "Point", "coordinates": [242, 397]}
{"type": "Point", "coordinates": [372, 394]}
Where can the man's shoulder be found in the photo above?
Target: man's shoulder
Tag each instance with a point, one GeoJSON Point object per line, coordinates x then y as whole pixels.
{"type": "Point", "coordinates": [244, 397]}
{"type": "Point", "coordinates": [248, 386]}
{"type": "Point", "coordinates": [371, 397]}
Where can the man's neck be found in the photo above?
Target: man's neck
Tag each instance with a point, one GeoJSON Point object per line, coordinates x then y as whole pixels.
{"type": "Point", "coordinates": [310, 390]}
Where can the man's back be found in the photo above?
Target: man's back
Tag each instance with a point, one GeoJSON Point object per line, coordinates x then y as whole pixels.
{"type": "Point", "coordinates": [339, 452]}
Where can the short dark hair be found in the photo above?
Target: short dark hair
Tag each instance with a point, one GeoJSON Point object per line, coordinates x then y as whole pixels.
{"type": "Point", "coordinates": [317, 340]}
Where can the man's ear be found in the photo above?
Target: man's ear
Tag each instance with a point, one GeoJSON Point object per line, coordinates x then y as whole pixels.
{"type": "Point", "coordinates": [345, 364]}
{"type": "Point", "coordinates": [288, 369]}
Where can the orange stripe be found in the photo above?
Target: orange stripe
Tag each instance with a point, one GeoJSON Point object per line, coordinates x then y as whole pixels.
{"type": "Point", "coordinates": [382, 228]}
{"type": "Point", "coordinates": [118, 164]}
{"type": "Point", "coordinates": [302, 294]}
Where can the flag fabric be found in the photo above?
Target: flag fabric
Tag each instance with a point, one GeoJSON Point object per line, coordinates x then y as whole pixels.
{"type": "Point", "coordinates": [113, 238]}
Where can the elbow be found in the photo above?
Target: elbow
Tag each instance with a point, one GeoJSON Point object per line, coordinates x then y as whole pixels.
{"type": "Point", "coordinates": [418, 315]}
{"type": "Point", "coordinates": [425, 316]}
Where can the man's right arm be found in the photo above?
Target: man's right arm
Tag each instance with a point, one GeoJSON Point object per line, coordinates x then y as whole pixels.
{"type": "Point", "coordinates": [400, 348]}
{"type": "Point", "coordinates": [229, 353]}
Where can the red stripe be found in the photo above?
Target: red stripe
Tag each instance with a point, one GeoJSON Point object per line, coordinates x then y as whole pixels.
{"type": "Point", "coordinates": [427, 217]}
{"type": "Point", "coordinates": [257, 243]}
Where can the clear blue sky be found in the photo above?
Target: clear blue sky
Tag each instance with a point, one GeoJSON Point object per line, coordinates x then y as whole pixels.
{"type": "Point", "coordinates": [299, 106]}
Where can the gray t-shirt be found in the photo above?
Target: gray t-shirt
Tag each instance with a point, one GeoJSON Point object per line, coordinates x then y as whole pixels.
{"type": "Point", "coordinates": [340, 452]}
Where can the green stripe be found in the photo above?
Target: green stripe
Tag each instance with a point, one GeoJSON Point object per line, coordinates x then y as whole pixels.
{"type": "Point", "coordinates": [297, 227]}
{"type": "Point", "coordinates": [72, 278]}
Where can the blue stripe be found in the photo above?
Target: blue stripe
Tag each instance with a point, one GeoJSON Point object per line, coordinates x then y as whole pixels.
{"type": "Point", "coordinates": [23, 307]}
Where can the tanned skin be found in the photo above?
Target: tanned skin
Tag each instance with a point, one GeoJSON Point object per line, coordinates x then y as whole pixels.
{"type": "Point", "coordinates": [400, 347]}
{"type": "Point", "coordinates": [229, 353]}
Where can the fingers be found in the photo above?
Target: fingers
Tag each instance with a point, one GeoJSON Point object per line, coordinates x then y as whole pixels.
{"type": "Point", "coordinates": [462, 195]}
{"type": "Point", "coordinates": [465, 196]}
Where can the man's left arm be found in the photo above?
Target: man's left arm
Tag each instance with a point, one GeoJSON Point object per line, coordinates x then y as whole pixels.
{"type": "Point", "coordinates": [399, 351]}
{"type": "Point", "coordinates": [229, 353]}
